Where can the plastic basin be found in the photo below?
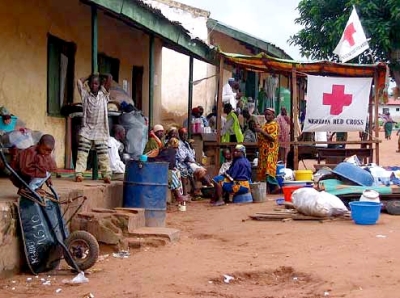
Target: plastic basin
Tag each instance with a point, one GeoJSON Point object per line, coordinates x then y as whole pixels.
{"type": "Point", "coordinates": [365, 213]}
{"type": "Point", "coordinates": [301, 175]}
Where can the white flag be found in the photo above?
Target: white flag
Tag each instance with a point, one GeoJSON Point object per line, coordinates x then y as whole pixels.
{"type": "Point", "coordinates": [353, 41]}
{"type": "Point", "coordinates": [337, 104]}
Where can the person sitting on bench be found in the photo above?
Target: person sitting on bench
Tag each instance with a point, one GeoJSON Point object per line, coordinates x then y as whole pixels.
{"type": "Point", "coordinates": [236, 180]}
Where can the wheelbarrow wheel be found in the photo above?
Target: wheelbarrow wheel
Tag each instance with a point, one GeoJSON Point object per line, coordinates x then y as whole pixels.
{"type": "Point", "coordinates": [83, 248]}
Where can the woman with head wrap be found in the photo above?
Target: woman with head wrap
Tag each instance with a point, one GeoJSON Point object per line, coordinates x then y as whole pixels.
{"type": "Point", "coordinates": [236, 180]}
{"type": "Point", "coordinates": [172, 132]}
{"type": "Point", "coordinates": [268, 146]}
{"type": "Point", "coordinates": [155, 142]}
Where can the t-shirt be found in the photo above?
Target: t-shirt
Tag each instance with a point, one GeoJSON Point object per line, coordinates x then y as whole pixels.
{"type": "Point", "coordinates": [30, 164]}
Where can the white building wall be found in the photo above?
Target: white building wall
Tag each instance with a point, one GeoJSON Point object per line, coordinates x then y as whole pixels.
{"type": "Point", "coordinates": [394, 111]}
{"type": "Point", "coordinates": [175, 66]}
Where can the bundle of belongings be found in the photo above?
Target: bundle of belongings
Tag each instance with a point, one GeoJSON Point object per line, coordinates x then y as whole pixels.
{"type": "Point", "coordinates": [347, 181]}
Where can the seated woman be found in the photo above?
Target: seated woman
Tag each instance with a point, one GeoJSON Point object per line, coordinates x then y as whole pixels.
{"type": "Point", "coordinates": [168, 154]}
{"type": "Point", "coordinates": [187, 165]}
{"type": "Point", "coordinates": [236, 179]}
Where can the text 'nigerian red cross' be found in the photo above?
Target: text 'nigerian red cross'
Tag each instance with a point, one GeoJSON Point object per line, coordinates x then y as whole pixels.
{"type": "Point", "coordinates": [337, 99]}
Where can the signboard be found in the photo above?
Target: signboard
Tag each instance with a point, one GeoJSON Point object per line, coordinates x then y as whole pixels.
{"type": "Point", "coordinates": [337, 104]}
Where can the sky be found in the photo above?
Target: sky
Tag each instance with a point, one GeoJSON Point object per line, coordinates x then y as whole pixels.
{"type": "Point", "coordinates": [269, 20]}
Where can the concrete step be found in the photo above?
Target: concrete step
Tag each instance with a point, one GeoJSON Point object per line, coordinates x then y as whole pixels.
{"type": "Point", "coordinates": [109, 226]}
{"type": "Point", "coordinates": [172, 235]}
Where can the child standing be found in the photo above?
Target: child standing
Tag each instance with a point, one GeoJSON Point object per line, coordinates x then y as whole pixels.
{"type": "Point", "coordinates": [94, 129]}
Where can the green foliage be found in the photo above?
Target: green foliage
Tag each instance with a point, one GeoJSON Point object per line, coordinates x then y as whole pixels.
{"type": "Point", "coordinates": [325, 20]}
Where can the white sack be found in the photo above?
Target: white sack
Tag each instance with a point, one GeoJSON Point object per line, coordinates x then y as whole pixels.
{"type": "Point", "coordinates": [309, 201]}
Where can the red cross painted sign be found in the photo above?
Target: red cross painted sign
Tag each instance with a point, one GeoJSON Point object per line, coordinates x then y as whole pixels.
{"type": "Point", "coordinates": [337, 99]}
{"type": "Point", "coordinates": [337, 104]}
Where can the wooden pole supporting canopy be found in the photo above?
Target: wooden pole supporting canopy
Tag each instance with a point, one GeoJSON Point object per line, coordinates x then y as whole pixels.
{"type": "Point", "coordinates": [219, 108]}
{"type": "Point", "coordinates": [295, 111]}
{"type": "Point", "coordinates": [376, 102]}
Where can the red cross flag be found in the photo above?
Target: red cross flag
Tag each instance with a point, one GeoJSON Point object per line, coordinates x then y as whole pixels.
{"type": "Point", "coordinates": [337, 104]}
{"type": "Point", "coordinates": [353, 41]}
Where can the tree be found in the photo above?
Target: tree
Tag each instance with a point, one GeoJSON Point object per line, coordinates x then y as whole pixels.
{"type": "Point", "coordinates": [325, 20]}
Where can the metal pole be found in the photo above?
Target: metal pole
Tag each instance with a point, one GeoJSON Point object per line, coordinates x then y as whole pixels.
{"type": "Point", "coordinates": [190, 96]}
{"type": "Point", "coordinates": [95, 68]}
{"type": "Point", "coordinates": [151, 80]}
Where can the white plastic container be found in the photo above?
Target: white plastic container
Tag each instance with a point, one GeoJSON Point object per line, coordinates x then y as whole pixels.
{"type": "Point", "coordinates": [370, 195]}
{"type": "Point", "coordinates": [182, 207]}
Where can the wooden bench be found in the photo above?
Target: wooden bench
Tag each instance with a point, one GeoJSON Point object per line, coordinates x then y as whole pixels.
{"type": "Point", "coordinates": [333, 156]}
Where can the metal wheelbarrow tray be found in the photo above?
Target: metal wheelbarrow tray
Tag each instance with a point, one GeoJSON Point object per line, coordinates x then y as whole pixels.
{"type": "Point", "coordinates": [45, 235]}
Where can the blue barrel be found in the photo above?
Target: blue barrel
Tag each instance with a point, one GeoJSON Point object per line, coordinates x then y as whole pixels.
{"type": "Point", "coordinates": [145, 186]}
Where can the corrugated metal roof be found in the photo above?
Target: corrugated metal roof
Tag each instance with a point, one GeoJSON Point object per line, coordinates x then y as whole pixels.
{"type": "Point", "coordinates": [262, 45]}
{"type": "Point", "coordinates": [151, 20]}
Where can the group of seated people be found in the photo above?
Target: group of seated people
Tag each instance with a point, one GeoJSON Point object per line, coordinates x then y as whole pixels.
{"type": "Point", "coordinates": [175, 148]}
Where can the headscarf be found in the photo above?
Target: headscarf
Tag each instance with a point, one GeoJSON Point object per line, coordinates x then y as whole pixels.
{"type": "Point", "coordinates": [270, 109]}
{"type": "Point", "coordinates": [196, 111]}
{"type": "Point", "coordinates": [158, 127]}
{"type": "Point", "coordinates": [241, 148]}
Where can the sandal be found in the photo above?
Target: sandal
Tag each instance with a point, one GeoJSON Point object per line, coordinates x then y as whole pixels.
{"type": "Point", "coordinates": [217, 204]}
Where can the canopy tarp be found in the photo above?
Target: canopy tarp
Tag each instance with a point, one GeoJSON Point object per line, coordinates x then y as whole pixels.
{"type": "Point", "coordinates": [264, 63]}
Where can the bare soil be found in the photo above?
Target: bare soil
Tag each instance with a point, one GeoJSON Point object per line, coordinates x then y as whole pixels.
{"type": "Point", "coordinates": [266, 258]}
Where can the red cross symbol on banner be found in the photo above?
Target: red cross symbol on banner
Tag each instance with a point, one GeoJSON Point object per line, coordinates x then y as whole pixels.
{"type": "Point", "coordinates": [337, 99]}
{"type": "Point", "coordinates": [348, 34]}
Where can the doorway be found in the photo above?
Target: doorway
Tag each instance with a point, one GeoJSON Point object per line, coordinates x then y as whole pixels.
{"type": "Point", "coordinates": [137, 86]}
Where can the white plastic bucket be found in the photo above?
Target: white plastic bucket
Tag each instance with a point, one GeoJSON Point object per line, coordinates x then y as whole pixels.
{"type": "Point", "coordinates": [370, 195]}
{"type": "Point", "coordinates": [259, 191]}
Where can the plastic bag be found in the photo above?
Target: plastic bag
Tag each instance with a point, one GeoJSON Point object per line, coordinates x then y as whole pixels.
{"type": "Point", "coordinates": [136, 132]}
{"type": "Point", "coordinates": [354, 160]}
{"type": "Point", "coordinates": [309, 201]}
{"type": "Point", "coordinates": [79, 279]}
{"type": "Point", "coordinates": [21, 139]}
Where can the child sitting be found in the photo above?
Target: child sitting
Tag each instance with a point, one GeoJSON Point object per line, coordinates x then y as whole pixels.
{"type": "Point", "coordinates": [35, 161]}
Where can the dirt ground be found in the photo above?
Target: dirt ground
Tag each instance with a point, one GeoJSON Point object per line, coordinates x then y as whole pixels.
{"type": "Point", "coordinates": [266, 258]}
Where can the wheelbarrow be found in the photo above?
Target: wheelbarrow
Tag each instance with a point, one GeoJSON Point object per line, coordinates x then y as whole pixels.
{"type": "Point", "coordinates": [45, 235]}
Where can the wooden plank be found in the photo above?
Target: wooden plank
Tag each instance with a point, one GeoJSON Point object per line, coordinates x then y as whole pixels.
{"type": "Point", "coordinates": [282, 216]}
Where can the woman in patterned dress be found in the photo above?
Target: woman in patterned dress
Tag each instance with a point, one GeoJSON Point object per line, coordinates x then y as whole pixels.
{"type": "Point", "coordinates": [284, 134]}
{"type": "Point", "coordinates": [268, 146]}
